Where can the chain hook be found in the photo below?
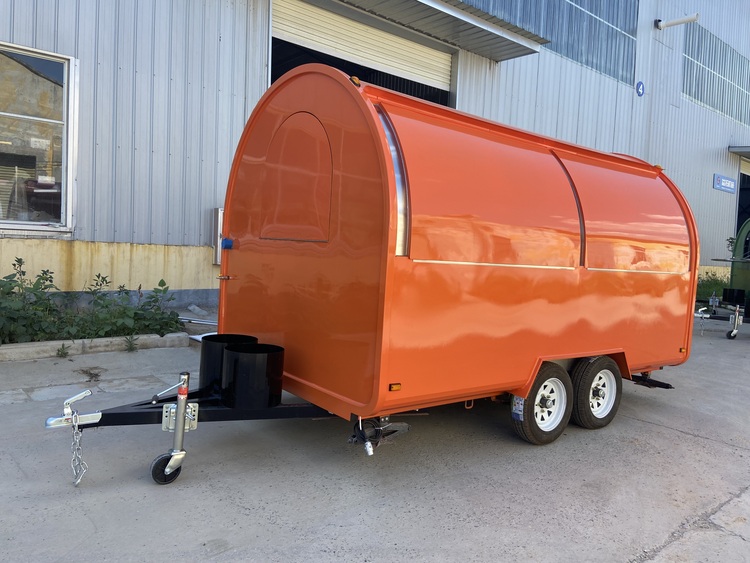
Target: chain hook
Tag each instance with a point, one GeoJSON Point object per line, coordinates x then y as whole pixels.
{"type": "Point", "coordinates": [77, 464]}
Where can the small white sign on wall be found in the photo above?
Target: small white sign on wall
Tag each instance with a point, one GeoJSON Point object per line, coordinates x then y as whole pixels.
{"type": "Point", "coordinates": [725, 184]}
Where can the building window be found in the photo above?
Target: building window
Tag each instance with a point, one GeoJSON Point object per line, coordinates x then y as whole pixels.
{"type": "Point", "coordinates": [716, 75]}
{"type": "Point", "coordinates": [34, 144]}
{"type": "Point", "coordinates": [599, 35]}
{"type": "Point", "coordinates": [596, 34]}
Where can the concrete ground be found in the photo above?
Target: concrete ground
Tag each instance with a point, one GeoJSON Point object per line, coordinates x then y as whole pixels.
{"type": "Point", "coordinates": [667, 481]}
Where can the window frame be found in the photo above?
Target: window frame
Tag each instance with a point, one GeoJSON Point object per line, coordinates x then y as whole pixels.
{"type": "Point", "coordinates": [69, 149]}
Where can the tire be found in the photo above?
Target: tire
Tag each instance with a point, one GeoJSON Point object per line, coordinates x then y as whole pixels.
{"type": "Point", "coordinates": [731, 336]}
{"type": "Point", "coordinates": [597, 390]}
{"type": "Point", "coordinates": [543, 416]}
{"type": "Point", "coordinates": [157, 470]}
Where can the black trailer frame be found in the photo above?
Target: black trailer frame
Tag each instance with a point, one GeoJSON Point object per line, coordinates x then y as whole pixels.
{"type": "Point", "coordinates": [240, 379]}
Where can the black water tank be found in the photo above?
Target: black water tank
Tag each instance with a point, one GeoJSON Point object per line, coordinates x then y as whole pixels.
{"type": "Point", "coordinates": [212, 358]}
{"type": "Point", "coordinates": [251, 376]}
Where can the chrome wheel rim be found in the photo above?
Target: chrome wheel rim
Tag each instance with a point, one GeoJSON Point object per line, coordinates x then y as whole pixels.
{"type": "Point", "coordinates": [602, 393]}
{"type": "Point", "coordinates": [549, 404]}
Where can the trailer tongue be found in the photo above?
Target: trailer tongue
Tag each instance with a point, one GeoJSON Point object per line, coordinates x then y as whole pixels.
{"type": "Point", "coordinates": [239, 381]}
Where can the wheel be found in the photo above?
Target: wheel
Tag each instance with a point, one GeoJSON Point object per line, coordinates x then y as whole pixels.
{"type": "Point", "coordinates": [157, 470]}
{"type": "Point", "coordinates": [542, 417]}
{"type": "Point", "coordinates": [597, 388]}
{"type": "Point", "coordinates": [730, 335]}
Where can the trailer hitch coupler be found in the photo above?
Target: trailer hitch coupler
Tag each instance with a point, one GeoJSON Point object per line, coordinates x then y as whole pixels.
{"type": "Point", "coordinates": [67, 411]}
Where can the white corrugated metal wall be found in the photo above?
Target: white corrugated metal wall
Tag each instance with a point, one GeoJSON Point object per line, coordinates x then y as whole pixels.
{"type": "Point", "coordinates": [165, 89]}
{"type": "Point", "coordinates": [477, 85]}
{"type": "Point", "coordinates": [691, 140]}
{"type": "Point", "coordinates": [560, 98]}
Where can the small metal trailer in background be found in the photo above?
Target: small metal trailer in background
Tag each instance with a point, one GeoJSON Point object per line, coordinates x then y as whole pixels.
{"type": "Point", "coordinates": [404, 255]}
{"type": "Point", "coordinates": [735, 319]}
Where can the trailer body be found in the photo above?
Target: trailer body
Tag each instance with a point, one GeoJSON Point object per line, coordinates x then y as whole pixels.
{"type": "Point", "coordinates": [407, 255]}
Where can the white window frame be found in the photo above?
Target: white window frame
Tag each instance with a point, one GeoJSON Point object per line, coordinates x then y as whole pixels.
{"type": "Point", "coordinates": [69, 150]}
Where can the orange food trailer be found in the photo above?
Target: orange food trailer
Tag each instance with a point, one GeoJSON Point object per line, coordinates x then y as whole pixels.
{"type": "Point", "coordinates": [406, 255]}
{"type": "Point", "coordinates": [391, 255]}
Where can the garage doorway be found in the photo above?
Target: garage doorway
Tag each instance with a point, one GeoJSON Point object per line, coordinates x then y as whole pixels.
{"type": "Point", "coordinates": [743, 201]}
{"type": "Point", "coordinates": [285, 56]}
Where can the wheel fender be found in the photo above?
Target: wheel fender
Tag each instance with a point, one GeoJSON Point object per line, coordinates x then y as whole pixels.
{"type": "Point", "coordinates": [523, 392]}
{"type": "Point", "coordinates": [622, 363]}
{"type": "Point", "coordinates": [618, 356]}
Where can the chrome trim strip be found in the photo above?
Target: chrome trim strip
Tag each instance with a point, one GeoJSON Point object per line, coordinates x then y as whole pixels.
{"type": "Point", "coordinates": [492, 265]}
{"type": "Point", "coordinates": [402, 197]}
{"type": "Point", "coordinates": [537, 267]}
{"type": "Point", "coordinates": [637, 271]}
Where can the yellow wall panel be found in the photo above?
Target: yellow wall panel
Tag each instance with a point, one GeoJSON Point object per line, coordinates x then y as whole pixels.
{"type": "Point", "coordinates": [75, 263]}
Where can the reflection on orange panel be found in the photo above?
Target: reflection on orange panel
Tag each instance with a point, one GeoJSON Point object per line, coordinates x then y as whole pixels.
{"type": "Point", "coordinates": [479, 195]}
{"type": "Point", "coordinates": [632, 219]}
{"type": "Point", "coordinates": [296, 204]}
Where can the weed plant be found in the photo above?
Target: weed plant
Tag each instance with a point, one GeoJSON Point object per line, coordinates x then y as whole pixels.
{"type": "Point", "coordinates": [34, 310]}
{"type": "Point", "coordinates": [709, 283]}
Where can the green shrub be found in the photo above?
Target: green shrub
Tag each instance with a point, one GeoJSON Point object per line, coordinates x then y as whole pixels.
{"type": "Point", "coordinates": [35, 310]}
{"type": "Point", "coordinates": [709, 283]}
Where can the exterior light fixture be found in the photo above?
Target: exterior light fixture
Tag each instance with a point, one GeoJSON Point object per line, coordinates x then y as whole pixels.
{"type": "Point", "coordinates": [659, 24]}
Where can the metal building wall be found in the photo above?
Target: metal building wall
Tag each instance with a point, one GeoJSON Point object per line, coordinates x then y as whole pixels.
{"type": "Point", "coordinates": [577, 29]}
{"type": "Point", "coordinates": [476, 85]}
{"type": "Point", "coordinates": [687, 138]}
{"type": "Point", "coordinates": [560, 98]}
{"type": "Point", "coordinates": [554, 96]}
{"type": "Point", "coordinates": [165, 89]}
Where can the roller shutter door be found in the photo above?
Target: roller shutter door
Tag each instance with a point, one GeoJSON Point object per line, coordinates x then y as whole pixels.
{"type": "Point", "coordinates": [318, 29]}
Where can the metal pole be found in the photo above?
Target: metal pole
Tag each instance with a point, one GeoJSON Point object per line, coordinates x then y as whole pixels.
{"type": "Point", "coordinates": [182, 398]}
{"type": "Point", "coordinates": [177, 453]}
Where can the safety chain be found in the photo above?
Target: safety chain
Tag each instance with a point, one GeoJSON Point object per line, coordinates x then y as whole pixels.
{"type": "Point", "coordinates": [77, 464]}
